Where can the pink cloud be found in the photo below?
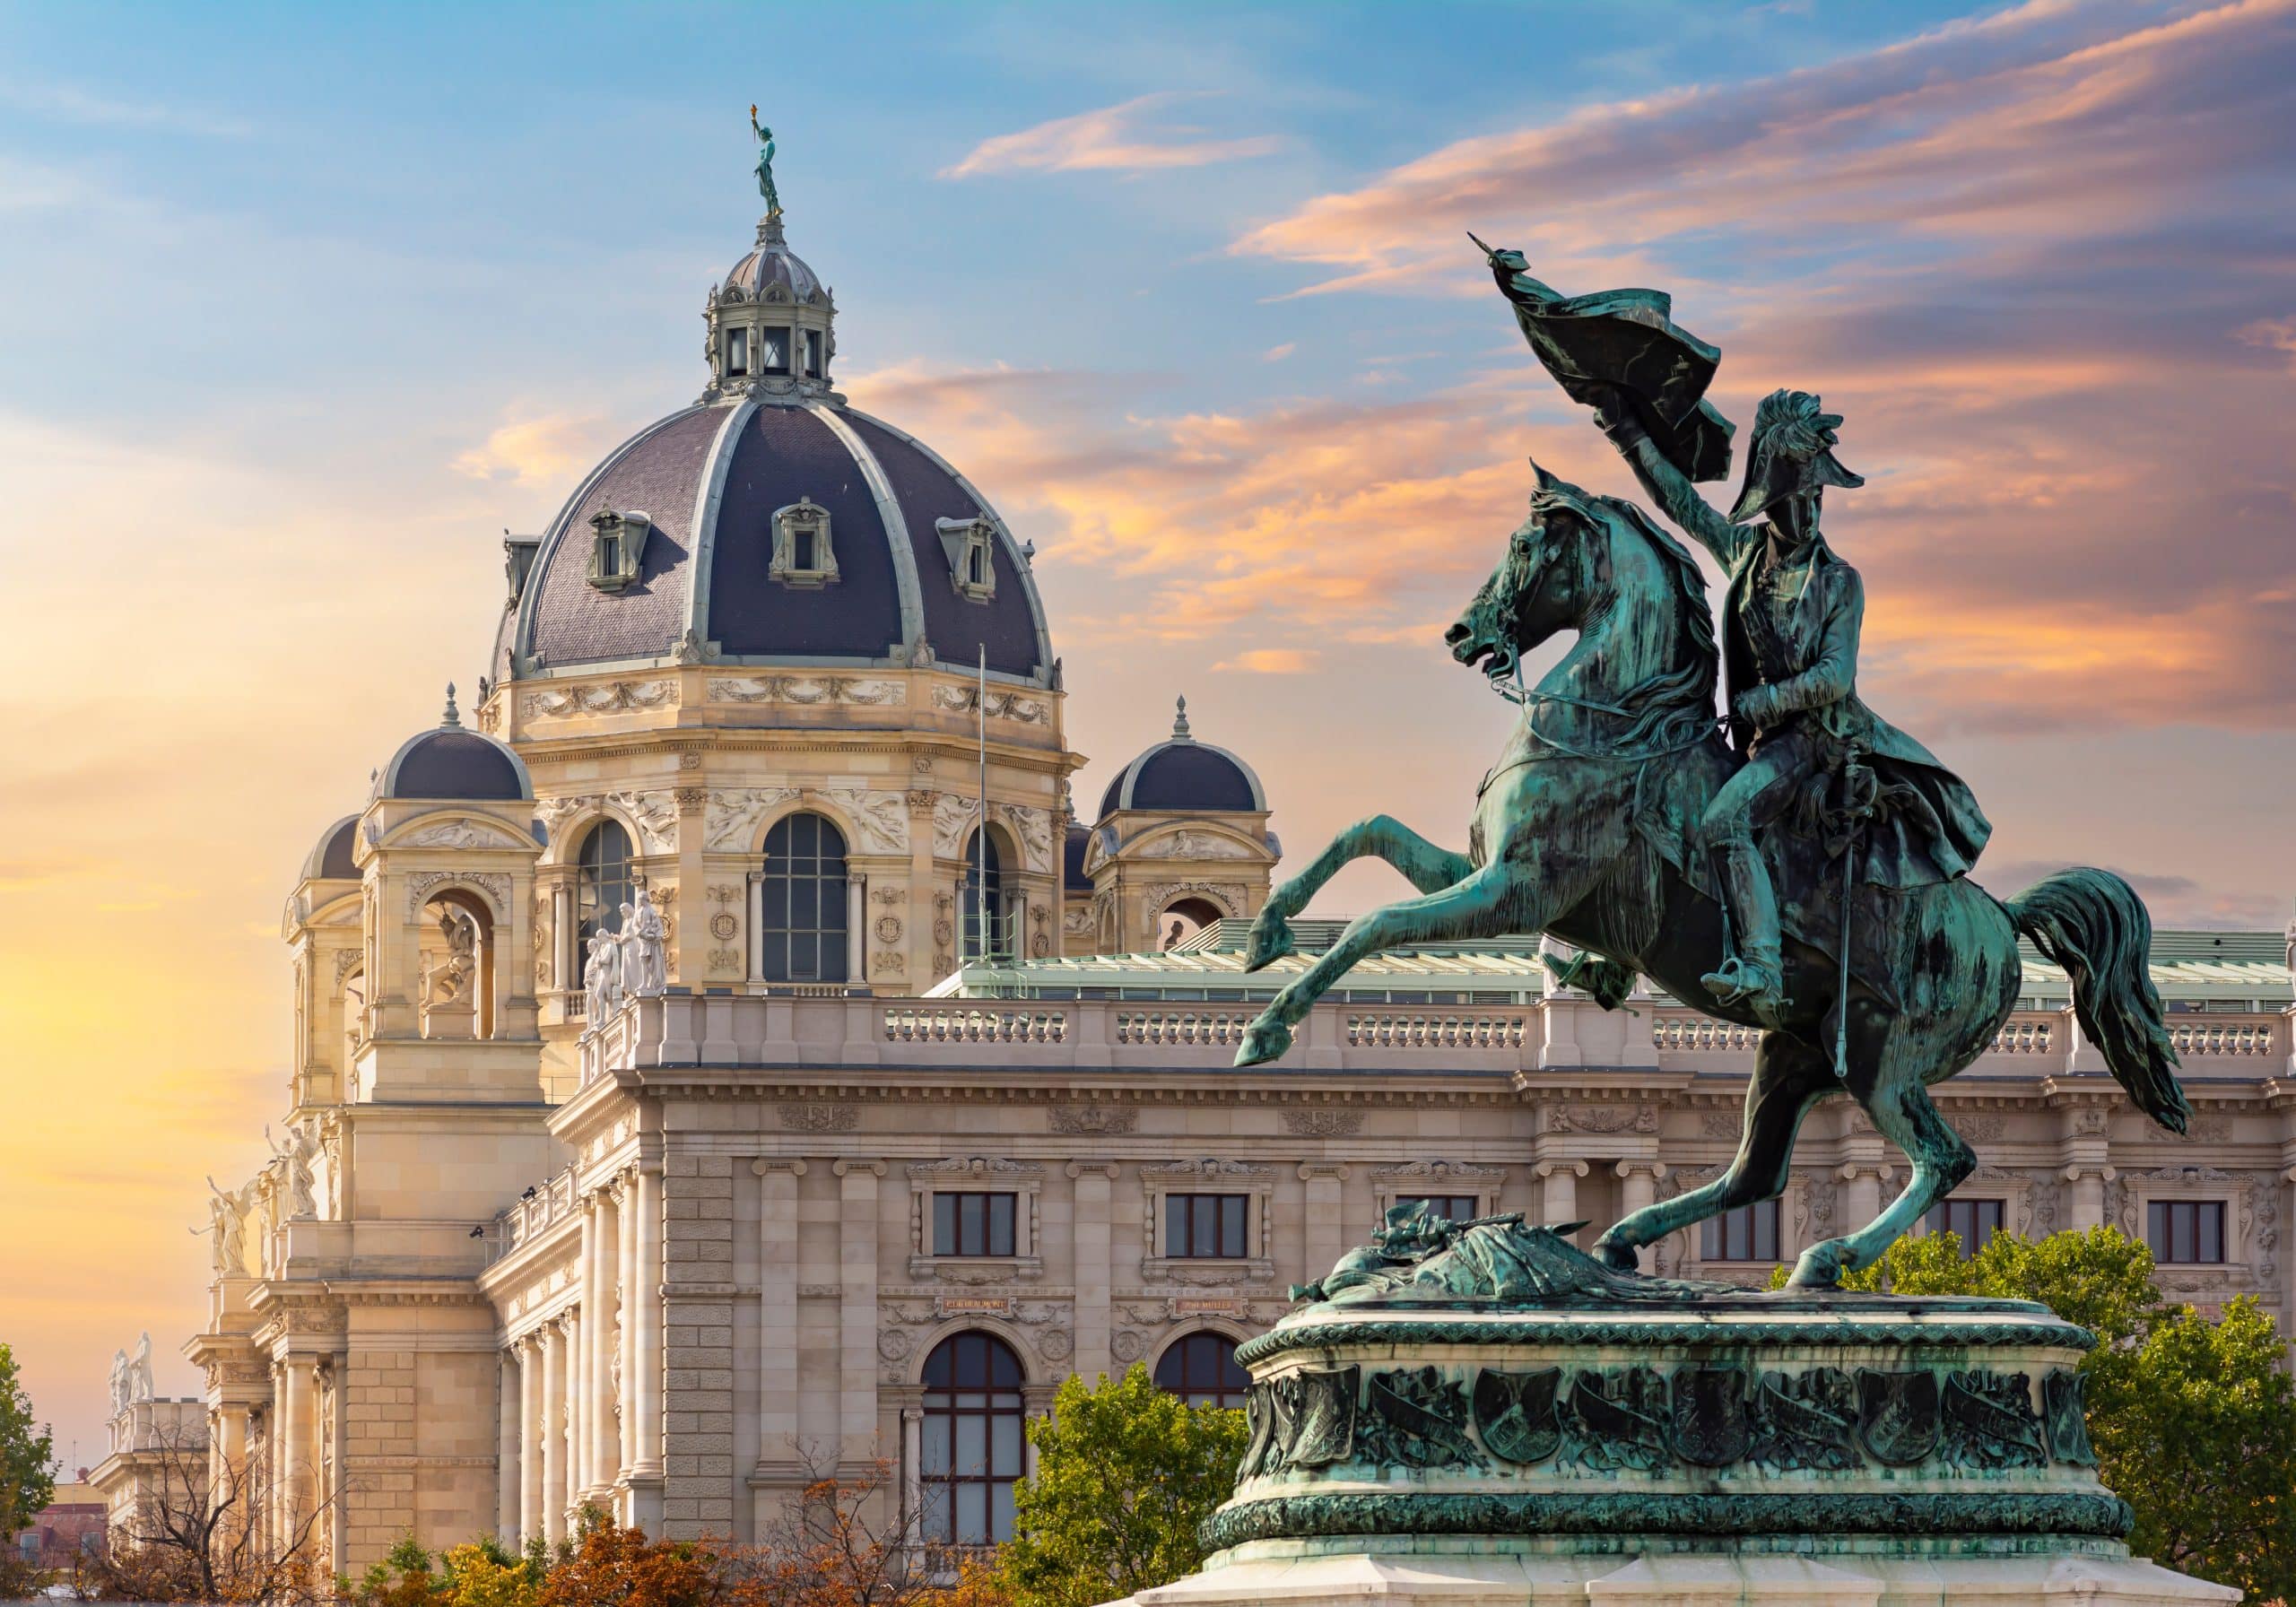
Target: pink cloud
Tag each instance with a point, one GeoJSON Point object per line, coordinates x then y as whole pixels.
{"type": "Point", "coordinates": [1112, 139]}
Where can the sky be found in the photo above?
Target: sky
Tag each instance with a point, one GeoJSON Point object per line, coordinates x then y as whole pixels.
{"type": "Point", "coordinates": [300, 307]}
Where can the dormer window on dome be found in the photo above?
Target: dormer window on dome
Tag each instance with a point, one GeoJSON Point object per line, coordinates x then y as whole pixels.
{"type": "Point", "coordinates": [803, 556]}
{"type": "Point", "coordinates": [972, 546]}
{"type": "Point", "coordinates": [617, 548]}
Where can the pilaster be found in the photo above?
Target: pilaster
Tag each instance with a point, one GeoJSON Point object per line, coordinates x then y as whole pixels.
{"type": "Point", "coordinates": [856, 1414]}
{"type": "Point", "coordinates": [1091, 1220]}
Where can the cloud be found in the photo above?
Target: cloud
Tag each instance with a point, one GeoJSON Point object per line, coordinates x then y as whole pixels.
{"type": "Point", "coordinates": [1278, 353]}
{"type": "Point", "coordinates": [2172, 901]}
{"type": "Point", "coordinates": [2037, 258]}
{"type": "Point", "coordinates": [2271, 334]}
{"type": "Point", "coordinates": [1113, 139]}
{"type": "Point", "coordinates": [544, 450]}
{"type": "Point", "coordinates": [1272, 660]}
{"type": "Point", "coordinates": [70, 103]}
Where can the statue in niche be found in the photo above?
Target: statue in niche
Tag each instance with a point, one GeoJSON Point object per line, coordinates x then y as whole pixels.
{"type": "Point", "coordinates": [450, 979]}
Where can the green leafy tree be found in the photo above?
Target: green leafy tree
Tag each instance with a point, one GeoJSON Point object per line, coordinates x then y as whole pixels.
{"type": "Point", "coordinates": [27, 1460]}
{"type": "Point", "coordinates": [1125, 1474]}
{"type": "Point", "coordinates": [2193, 1421]}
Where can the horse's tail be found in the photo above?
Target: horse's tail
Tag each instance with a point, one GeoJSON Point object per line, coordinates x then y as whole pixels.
{"type": "Point", "coordinates": [2093, 925]}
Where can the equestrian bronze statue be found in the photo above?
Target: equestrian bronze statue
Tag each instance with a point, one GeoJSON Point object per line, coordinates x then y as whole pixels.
{"type": "Point", "coordinates": [1796, 864]}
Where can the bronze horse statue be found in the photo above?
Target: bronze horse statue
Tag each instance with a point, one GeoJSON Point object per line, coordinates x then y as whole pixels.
{"type": "Point", "coordinates": [1585, 829]}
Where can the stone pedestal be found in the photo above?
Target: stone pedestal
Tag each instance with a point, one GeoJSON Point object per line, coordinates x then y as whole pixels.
{"type": "Point", "coordinates": [1627, 1441]}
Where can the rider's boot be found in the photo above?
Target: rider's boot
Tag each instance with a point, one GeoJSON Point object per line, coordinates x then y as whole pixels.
{"type": "Point", "coordinates": [1752, 977]}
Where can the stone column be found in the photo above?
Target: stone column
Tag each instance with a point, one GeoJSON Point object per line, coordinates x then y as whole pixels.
{"type": "Point", "coordinates": [599, 1308]}
{"type": "Point", "coordinates": [552, 1431]}
{"type": "Point", "coordinates": [1861, 1200]}
{"type": "Point", "coordinates": [566, 965]}
{"type": "Point", "coordinates": [856, 914]}
{"type": "Point", "coordinates": [1325, 1235]}
{"type": "Point", "coordinates": [581, 1382]}
{"type": "Point", "coordinates": [757, 926]}
{"type": "Point", "coordinates": [530, 1437]}
{"type": "Point", "coordinates": [856, 1257]}
{"type": "Point", "coordinates": [1638, 1184]}
{"type": "Point", "coordinates": [2086, 1202]}
{"type": "Point", "coordinates": [1561, 1203]}
{"type": "Point", "coordinates": [296, 1423]}
{"type": "Point", "coordinates": [912, 1470]}
{"type": "Point", "coordinates": [625, 1227]}
{"type": "Point", "coordinates": [505, 1447]}
{"type": "Point", "coordinates": [1091, 1223]}
{"type": "Point", "coordinates": [778, 1381]}
{"type": "Point", "coordinates": [646, 1387]}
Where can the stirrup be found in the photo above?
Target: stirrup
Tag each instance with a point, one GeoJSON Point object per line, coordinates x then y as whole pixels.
{"type": "Point", "coordinates": [1758, 987]}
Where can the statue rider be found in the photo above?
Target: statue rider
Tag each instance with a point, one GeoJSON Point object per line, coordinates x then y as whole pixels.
{"type": "Point", "coordinates": [1791, 621]}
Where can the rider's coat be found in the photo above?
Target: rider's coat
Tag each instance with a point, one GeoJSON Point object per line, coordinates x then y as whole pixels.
{"type": "Point", "coordinates": [1793, 626]}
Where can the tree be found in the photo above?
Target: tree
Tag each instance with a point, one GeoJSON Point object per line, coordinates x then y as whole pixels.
{"type": "Point", "coordinates": [27, 1461]}
{"type": "Point", "coordinates": [2194, 1421]}
{"type": "Point", "coordinates": [1125, 1474]}
{"type": "Point", "coordinates": [197, 1534]}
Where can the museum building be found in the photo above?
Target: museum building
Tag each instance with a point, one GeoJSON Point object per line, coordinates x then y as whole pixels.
{"type": "Point", "coordinates": [936, 1108]}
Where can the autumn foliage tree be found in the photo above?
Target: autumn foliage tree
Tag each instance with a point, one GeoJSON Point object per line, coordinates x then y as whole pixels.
{"type": "Point", "coordinates": [197, 1535]}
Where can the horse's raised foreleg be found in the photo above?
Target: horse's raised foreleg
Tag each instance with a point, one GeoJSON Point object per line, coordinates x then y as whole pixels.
{"type": "Point", "coordinates": [1789, 1077]}
{"type": "Point", "coordinates": [1485, 905]}
{"type": "Point", "coordinates": [1901, 1108]}
{"type": "Point", "coordinates": [1426, 866]}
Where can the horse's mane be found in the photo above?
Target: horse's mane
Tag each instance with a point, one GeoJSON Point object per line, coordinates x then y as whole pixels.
{"type": "Point", "coordinates": [1690, 592]}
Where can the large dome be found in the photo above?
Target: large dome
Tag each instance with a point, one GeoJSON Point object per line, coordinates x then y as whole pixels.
{"type": "Point", "coordinates": [902, 562]}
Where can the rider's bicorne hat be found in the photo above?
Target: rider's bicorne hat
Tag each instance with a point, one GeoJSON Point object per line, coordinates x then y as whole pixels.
{"type": "Point", "coordinates": [1792, 452]}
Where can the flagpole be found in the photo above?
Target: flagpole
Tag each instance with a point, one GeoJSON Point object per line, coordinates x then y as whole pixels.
{"type": "Point", "coordinates": [981, 836]}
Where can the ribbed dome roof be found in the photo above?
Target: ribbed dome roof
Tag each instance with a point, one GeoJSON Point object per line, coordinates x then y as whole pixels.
{"type": "Point", "coordinates": [451, 762]}
{"type": "Point", "coordinates": [710, 479]}
{"type": "Point", "coordinates": [1184, 774]}
{"type": "Point", "coordinates": [330, 858]}
{"type": "Point", "coordinates": [769, 263]}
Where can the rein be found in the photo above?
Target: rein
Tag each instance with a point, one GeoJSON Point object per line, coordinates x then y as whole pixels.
{"type": "Point", "coordinates": [1524, 697]}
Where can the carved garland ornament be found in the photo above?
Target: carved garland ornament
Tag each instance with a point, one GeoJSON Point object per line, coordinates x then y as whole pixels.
{"type": "Point", "coordinates": [610, 697]}
{"type": "Point", "coordinates": [493, 883]}
{"type": "Point", "coordinates": [803, 689]}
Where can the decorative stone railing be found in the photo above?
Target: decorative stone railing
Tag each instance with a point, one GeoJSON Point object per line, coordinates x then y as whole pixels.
{"type": "Point", "coordinates": [553, 1203]}
{"type": "Point", "coordinates": [1565, 1033]}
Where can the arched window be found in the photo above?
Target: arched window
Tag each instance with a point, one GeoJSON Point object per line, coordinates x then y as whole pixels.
{"type": "Point", "coordinates": [603, 885]}
{"type": "Point", "coordinates": [972, 1440]}
{"type": "Point", "coordinates": [985, 884]}
{"type": "Point", "coordinates": [1203, 1371]}
{"type": "Point", "coordinates": [803, 936]}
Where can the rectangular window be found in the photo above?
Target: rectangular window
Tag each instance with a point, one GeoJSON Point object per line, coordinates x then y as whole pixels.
{"type": "Point", "coordinates": [2186, 1232]}
{"type": "Point", "coordinates": [801, 549]}
{"type": "Point", "coordinates": [974, 1224]}
{"type": "Point", "coordinates": [774, 350]}
{"type": "Point", "coordinates": [812, 354]}
{"type": "Point", "coordinates": [1455, 1208]}
{"type": "Point", "coordinates": [1749, 1233]}
{"type": "Point", "coordinates": [1973, 1220]}
{"type": "Point", "coordinates": [1206, 1226]}
{"type": "Point", "coordinates": [977, 563]}
{"type": "Point", "coordinates": [738, 352]}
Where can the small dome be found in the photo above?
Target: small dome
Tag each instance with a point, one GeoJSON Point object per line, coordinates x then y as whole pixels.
{"type": "Point", "coordinates": [1184, 774]}
{"type": "Point", "coordinates": [330, 859]}
{"type": "Point", "coordinates": [770, 264]}
{"type": "Point", "coordinates": [448, 761]}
